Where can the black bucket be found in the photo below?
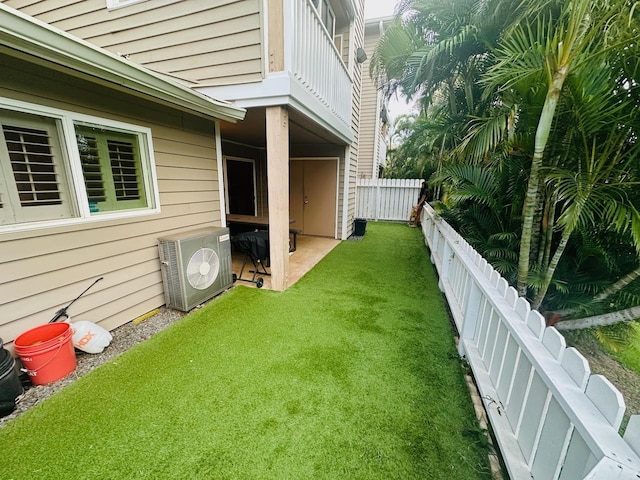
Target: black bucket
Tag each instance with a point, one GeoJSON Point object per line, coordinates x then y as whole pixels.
{"type": "Point", "coordinates": [360, 227]}
{"type": "Point", "coordinates": [10, 385]}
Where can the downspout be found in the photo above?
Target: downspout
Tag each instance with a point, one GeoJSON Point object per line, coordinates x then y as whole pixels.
{"type": "Point", "coordinates": [377, 128]}
{"type": "Point", "coordinates": [353, 8]}
{"type": "Point", "coordinates": [223, 206]}
{"type": "Point", "coordinates": [356, 137]}
{"type": "Point", "coordinates": [264, 20]}
{"type": "Point", "coordinates": [376, 135]}
{"type": "Point", "coordinates": [347, 149]}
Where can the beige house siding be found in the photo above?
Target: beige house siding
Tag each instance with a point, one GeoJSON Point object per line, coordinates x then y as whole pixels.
{"type": "Point", "coordinates": [42, 270]}
{"type": "Point", "coordinates": [369, 125]}
{"type": "Point", "coordinates": [354, 150]}
{"type": "Point", "coordinates": [203, 42]}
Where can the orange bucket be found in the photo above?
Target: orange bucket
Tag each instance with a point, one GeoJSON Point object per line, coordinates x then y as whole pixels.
{"type": "Point", "coordinates": [47, 352]}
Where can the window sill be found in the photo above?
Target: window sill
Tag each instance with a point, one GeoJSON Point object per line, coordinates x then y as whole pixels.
{"type": "Point", "coordinates": [77, 222]}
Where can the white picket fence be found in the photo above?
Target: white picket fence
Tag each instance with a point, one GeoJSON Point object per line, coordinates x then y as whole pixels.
{"type": "Point", "coordinates": [386, 199]}
{"type": "Point", "coordinates": [552, 418]}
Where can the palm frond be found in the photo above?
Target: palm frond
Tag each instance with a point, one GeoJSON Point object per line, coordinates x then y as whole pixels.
{"type": "Point", "coordinates": [615, 337]}
{"type": "Point", "coordinates": [521, 57]}
{"type": "Point", "coordinates": [484, 135]}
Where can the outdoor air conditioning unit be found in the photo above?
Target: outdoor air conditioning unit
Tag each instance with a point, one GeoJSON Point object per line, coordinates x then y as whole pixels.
{"type": "Point", "coordinates": [196, 266]}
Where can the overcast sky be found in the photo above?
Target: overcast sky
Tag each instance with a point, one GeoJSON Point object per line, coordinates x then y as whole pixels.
{"type": "Point", "coordinates": [378, 8]}
{"type": "Point", "coordinates": [384, 8]}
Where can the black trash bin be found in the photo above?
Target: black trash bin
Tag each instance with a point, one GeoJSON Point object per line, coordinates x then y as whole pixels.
{"type": "Point", "coordinates": [10, 384]}
{"type": "Point", "coordinates": [359, 227]}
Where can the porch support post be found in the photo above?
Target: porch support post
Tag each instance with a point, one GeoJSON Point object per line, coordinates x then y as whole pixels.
{"type": "Point", "coordinates": [221, 174]}
{"type": "Point", "coordinates": [276, 27]}
{"type": "Point", "coordinates": [277, 120]}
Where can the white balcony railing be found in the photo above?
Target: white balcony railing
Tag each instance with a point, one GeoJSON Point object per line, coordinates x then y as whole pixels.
{"type": "Point", "coordinates": [552, 418]}
{"type": "Point", "coordinates": [316, 63]}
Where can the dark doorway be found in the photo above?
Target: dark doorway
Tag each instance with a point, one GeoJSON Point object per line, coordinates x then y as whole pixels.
{"type": "Point", "coordinates": [241, 186]}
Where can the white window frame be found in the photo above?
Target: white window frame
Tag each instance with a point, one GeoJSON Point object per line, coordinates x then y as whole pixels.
{"type": "Point", "coordinates": [115, 4]}
{"type": "Point", "coordinates": [68, 144]}
{"type": "Point", "coordinates": [338, 41]}
{"type": "Point", "coordinates": [226, 180]}
{"type": "Point", "coordinates": [320, 9]}
{"type": "Point", "coordinates": [12, 202]}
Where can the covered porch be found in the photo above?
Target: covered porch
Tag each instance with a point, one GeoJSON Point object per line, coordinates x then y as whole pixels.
{"type": "Point", "coordinates": [292, 159]}
{"type": "Point", "coordinates": [289, 172]}
{"type": "Point", "coordinates": [310, 250]}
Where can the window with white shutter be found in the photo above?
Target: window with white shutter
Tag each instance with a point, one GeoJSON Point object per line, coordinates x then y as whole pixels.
{"type": "Point", "coordinates": [111, 168]}
{"type": "Point", "coordinates": [59, 166]}
{"type": "Point", "coordinates": [35, 182]}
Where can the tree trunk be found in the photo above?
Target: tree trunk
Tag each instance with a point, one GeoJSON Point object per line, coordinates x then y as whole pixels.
{"type": "Point", "coordinates": [452, 98]}
{"type": "Point", "coordinates": [537, 234]}
{"type": "Point", "coordinates": [612, 318]}
{"type": "Point", "coordinates": [553, 264]}
{"type": "Point", "coordinates": [541, 138]}
{"type": "Point", "coordinates": [619, 285]}
{"type": "Point", "coordinates": [544, 235]}
{"type": "Point", "coordinates": [551, 222]}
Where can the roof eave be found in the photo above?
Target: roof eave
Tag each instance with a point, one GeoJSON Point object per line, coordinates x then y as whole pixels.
{"type": "Point", "coordinates": [28, 35]}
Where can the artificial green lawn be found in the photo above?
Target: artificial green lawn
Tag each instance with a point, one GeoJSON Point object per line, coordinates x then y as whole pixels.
{"type": "Point", "coordinates": [629, 356]}
{"type": "Point", "coordinates": [351, 373]}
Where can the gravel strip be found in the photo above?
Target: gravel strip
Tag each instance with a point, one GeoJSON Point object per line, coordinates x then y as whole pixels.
{"type": "Point", "coordinates": [124, 337]}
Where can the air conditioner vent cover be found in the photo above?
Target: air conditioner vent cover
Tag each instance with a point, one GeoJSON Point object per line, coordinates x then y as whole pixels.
{"type": "Point", "coordinates": [195, 266]}
{"type": "Point", "coordinates": [203, 268]}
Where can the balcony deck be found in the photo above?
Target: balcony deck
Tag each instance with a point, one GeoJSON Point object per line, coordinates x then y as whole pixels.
{"type": "Point", "coordinates": [315, 80]}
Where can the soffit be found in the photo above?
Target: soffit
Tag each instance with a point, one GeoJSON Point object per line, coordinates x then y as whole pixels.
{"type": "Point", "coordinates": [252, 130]}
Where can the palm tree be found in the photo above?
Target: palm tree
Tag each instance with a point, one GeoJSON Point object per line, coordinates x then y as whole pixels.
{"type": "Point", "coordinates": [481, 204]}
{"type": "Point", "coordinates": [562, 43]}
{"type": "Point", "coordinates": [594, 193]}
{"type": "Point", "coordinates": [549, 80]}
{"type": "Point", "coordinates": [437, 49]}
{"type": "Point", "coordinates": [552, 42]}
{"type": "Point", "coordinates": [412, 156]}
